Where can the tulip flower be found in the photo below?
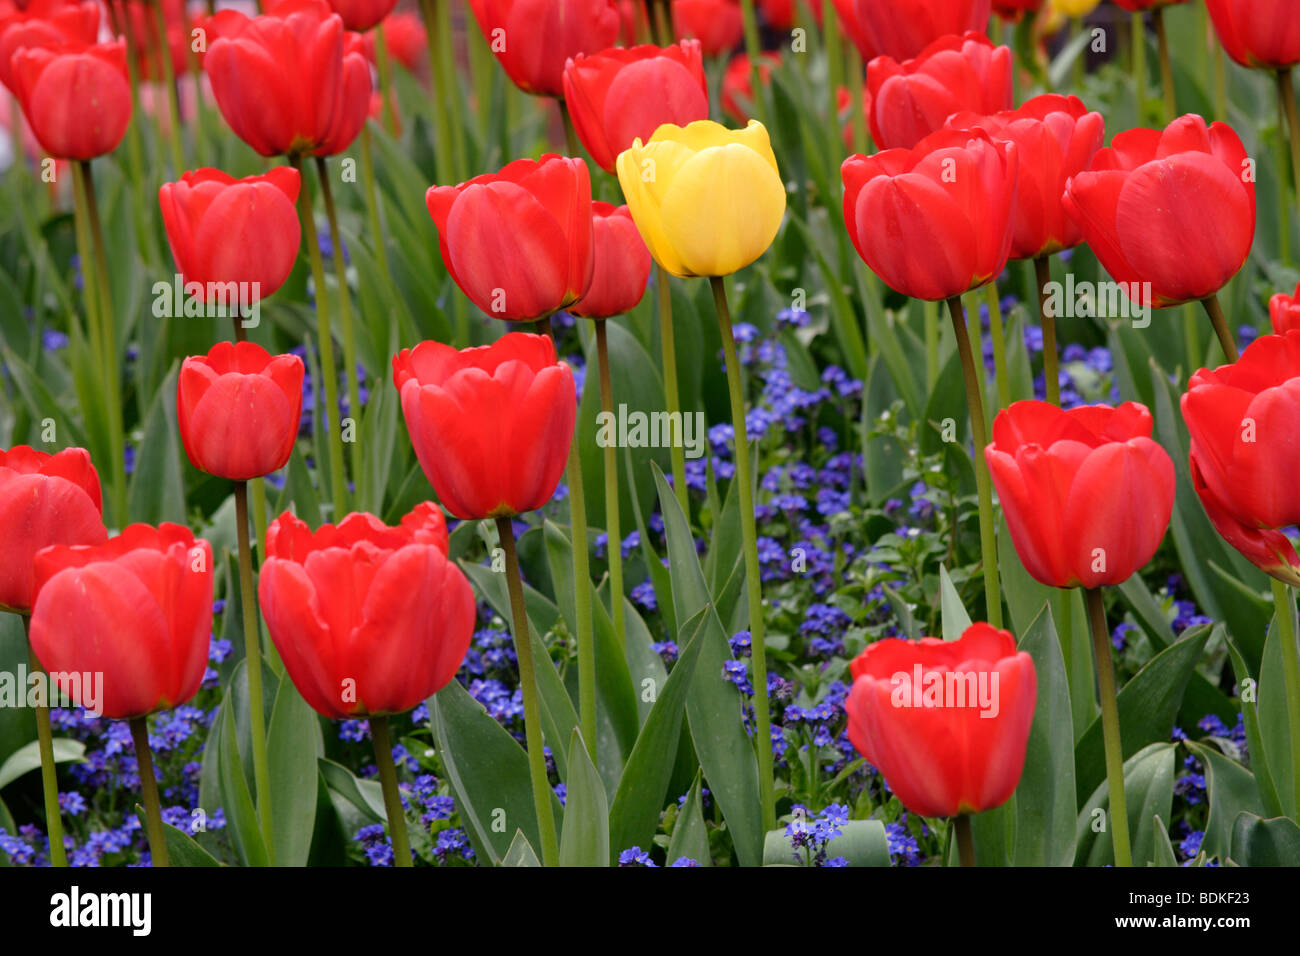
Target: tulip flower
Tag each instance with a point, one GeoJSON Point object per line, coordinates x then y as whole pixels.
{"type": "Point", "coordinates": [847, 12]}
{"type": "Point", "coordinates": [1284, 311]}
{"type": "Point", "coordinates": [238, 409]}
{"type": "Point", "coordinates": [1262, 34]}
{"type": "Point", "coordinates": [1086, 493]}
{"type": "Point", "coordinates": [617, 96]}
{"type": "Point", "coordinates": [76, 97]}
{"type": "Point", "coordinates": [1170, 214]}
{"type": "Point", "coordinates": [227, 230]}
{"type": "Point", "coordinates": [533, 39]}
{"type": "Point", "coordinates": [138, 20]}
{"type": "Point", "coordinates": [284, 82]}
{"type": "Point", "coordinates": [361, 15]}
{"type": "Point", "coordinates": [903, 28]}
{"type": "Point", "coordinates": [707, 200]}
{"type": "Point", "coordinates": [406, 39]}
{"type": "Point", "coordinates": [781, 14]}
{"type": "Point", "coordinates": [130, 619]}
{"type": "Point", "coordinates": [1242, 420]}
{"type": "Point", "coordinates": [719, 25]}
{"type": "Point", "coordinates": [945, 722]}
{"type": "Point", "coordinates": [738, 83]}
{"type": "Point", "coordinates": [491, 425]}
{"type": "Point", "coordinates": [44, 500]}
{"type": "Point", "coordinates": [518, 242]}
{"type": "Point", "coordinates": [622, 264]}
{"type": "Point", "coordinates": [1014, 10]}
{"type": "Point", "coordinates": [912, 99]}
{"type": "Point", "coordinates": [45, 23]}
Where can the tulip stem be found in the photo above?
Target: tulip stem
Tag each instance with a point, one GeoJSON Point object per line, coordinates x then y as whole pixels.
{"type": "Point", "coordinates": [108, 340]}
{"type": "Point", "coordinates": [1139, 30]}
{"type": "Point", "coordinates": [1286, 632]}
{"type": "Point", "coordinates": [1215, 311]}
{"type": "Point", "coordinates": [1286, 96]}
{"type": "Point", "coordinates": [149, 790]}
{"type": "Point", "coordinates": [857, 101]}
{"type": "Point", "coordinates": [392, 797]}
{"type": "Point", "coordinates": [671, 399]}
{"type": "Point", "coordinates": [345, 320]}
{"type": "Point", "coordinates": [373, 207]}
{"type": "Point", "coordinates": [754, 50]}
{"type": "Point", "coordinates": [999, 345]}
{"type": "Point", "coordinates": [253, 665]}
{"type": "Point", "coordinates": [581, 583]}
{"type": "Point", "coordinates": [965, 839]}
{"type": "Point", "coordinates": [454, 102]}
{"type": "Point", "coordinates": [661, 22]}
{"type": "Point", "coordinates": [930, 316]}
{"type": "Point", "coordinates": [1047, 322]}
{"type": "Point", "coordinates": [979, 434]}
{"type": "Point", "coordinates": [443, 160]}
{"type": "Point", "coordinates": [384, 69]}
{"type": "Point", "coordinates": [614, 543]}
{"type": "Point", "coordinates": [1110, 727]}
{"type": "Point", "coordinates": [753, 582]}
{"type": "Point", "coordinates": [1166, 69]}
{"type": "Point", "coordinates": [571, 144]}
{"type": "Point", "coordinates": [49, 779]}
{"type": "Point", "coordinates": [333, 435]}
{"type": "Point", "coordinates": [528, 688]}
{"type": "Point", "coordinates": [169, 81]}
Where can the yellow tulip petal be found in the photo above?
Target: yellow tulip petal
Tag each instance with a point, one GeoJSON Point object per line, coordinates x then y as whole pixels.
{"type": "Point", "coordinates": [644, 173]}
{"type": "Point", "coordinates": [706, 134]}
{"type": "Point", "coordinates": [723, 209]}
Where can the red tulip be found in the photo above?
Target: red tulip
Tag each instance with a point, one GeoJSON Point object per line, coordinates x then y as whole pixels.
{"type": "Point", "coordinates": [136, 609]}
{"type": "Point", "coordinates": [912, 99]}
{"type": "Point", "coordinates": [903, 28]}
{"type": "Point", "coordinates": [533, 39]}
{"type": "Point", "coordinates": [405, 38]}
{"type": "Point", "coordinates": [227, 230]}
{"type": "Point", "coordinates": [361, 15]}
{"type": "Point", "coordinates": [238, 409]}
{"type": "Point", "coordinates": [491, 425]}
{"type": "Point", "coordinates": [1137, 6]}
{"type": "Point", "coordinates": [1013, 10]}
{"type": "Point", "coordinates": [1056, 137]}
{"type": "Point", "coordinates": [45, 23]}
{"type": "Point", "coordinates": [622, 268]}
{"type": "Point", "coordinates": [1284, 311]}
{"type": "Point", "coordinates": [369, 620]}
{"type": "Point", "coordinates": [1175, 208]}
{"type": "Point", "coordinates": [285, 82]}
{"type": "Point", "coordinates": [1258, 33]}
{"type": "Point", "coordinates": [847, 11]}
{"type": "Point", "coordinates": [945, 722]}
{"type": "Point", "coordinates": [1086, 493]}
{"type": "Point", "coordinates": [1270, 551]}
{"type": "Point", "coordinates": [618, 95]}
{"type": "Point", "coordinates": [738, 83]}
{"type": "Point", "coordinates": [780, 14]}
{"type": "Point", "coordinates": [76, 98]}
{"type": "Point", "coordinates": [138, 20]}
{"type": "Point", "coordinates": [719, 25]}
{"type": "Point", "coordinates": [44, 500]}
{"type": "Point", "coordinates": [934, 221]}
{"type": "Point", "coordinates": [518, 242]}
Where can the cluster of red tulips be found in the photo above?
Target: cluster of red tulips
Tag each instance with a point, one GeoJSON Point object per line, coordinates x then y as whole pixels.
{"type": "Point", "coordinates": [369, 619]}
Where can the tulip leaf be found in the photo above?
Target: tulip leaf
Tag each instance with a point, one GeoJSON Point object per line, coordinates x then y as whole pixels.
{"type": "Point", "coordinates": [642, 662]}
{"type": "Point", "coordinates": [643, 787]}
{"type": "Point", "coordinates": [293, 746]}
{"type": "Point", "coordinates": [1163, 849]}
{"type": "Point", "coordinates": [713, 707]}
{"type": "Point", "coordinates": [1259, 842]}
{"type": "Point", "coordinates": [861, 842]}
{"type": "Point", "coordinates": [28, 758]}
{"type": "Point", "coordinates": [17, 724]}
{"type": "Point", "coordinates": [1247, 688]}
{"type": "Point", "coordinates": [1148, 705]}
{"type": "Point", "coordinates": [946, 408]}
{"type": "Point", "coordinates": [1274, 724]}
{"type": "Point", "coordinates": [157, 487]}
{"type": "Point", "coordinates": [659, 577]}
{"type": "Point", "coordinates": [690, 836]}
{"type": "Point", "coordinates": [241, 815]}
{"type": "Point", "coordinates": [1231, 788]}
{"type": "Point", "coordinates": [181, 848]}
{"type": "Point", "coordinates": [955, 618]}
{"type": "Point", "coordinates": [1149, 793]}
{"type": "Point", "coordinates": [365, 795]}
{"type": "Point", "coordinates": [585, 838]}
{"type": "Point", "coordinates": [521, 852]}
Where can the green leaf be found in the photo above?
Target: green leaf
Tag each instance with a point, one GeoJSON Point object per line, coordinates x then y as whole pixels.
{"type": "Point", "coordinates": [690, 837]}
{"type": "Point", "coordinates": [1257, 842]}
{"type": "Point", "coordinates": [861, 842]}
{"type": "Point", "coordinates": [157, 487]}
{"type": "Point", "coordinates": [1254, 741]}
{"type": "Point", "coordinates": [585, 838]}
{"type": "Point", "coordinates": [955, 618]}
{"type": "Point", "coordinates": [1149, 793]}
{"type": "Point", "coordinates": [28, 758]}
{"type": "Point", "coordinates": [241, 816]}
{"type": "Point", "coordinates": [713, 707]}
{"type": "Point", "coordinates": [1232, 790]}
{"type": "Point", "coordinates": [1164, 850]}
{"type": "Point", "coordinates": [1148, 705]}
{"type": "Point", "coordinates": [644, 785]}
{"type": "Point", "coordinates": [1274, 724]}
{"type": "Point", "coordinates": [366, 796]}
{"type": "Point", "coordinates": [521, 852]}
{"type": "Point", "coordinates": [181, 848]}
{"type": "Point", "coordinates": [293, 747]}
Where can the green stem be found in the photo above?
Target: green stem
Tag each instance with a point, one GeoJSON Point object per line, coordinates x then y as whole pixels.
{"type": "Point", "coordinates": [373, 208]}
{"type": "Point", "coordinates": [528, 688]}
{"type": "Point", "coordinates": [1110, 727]}
{"type": "Point", "coordinates": [451, 97]}
{"type": "Point", "coordinates": [672, 401]}
{"type": "Point", "coordinates": [169, 81]}
{"type": "Point", "coordinates": [662, 24]}
{"type": "Point", "coordinates": [333, 438]}
{"type": "Point", "coordinates": [392, 797]}
{"type": "Point", "coordinates": [1286, 632]}
{"type": "Point", "coordinates": [1286, 95]}
{"type": "Point", "coordinates": [49, 777]}
{"type": "Point", "coordinates": [612, 531]}
{"type": "Point", "coordinates": [1138, 21]}
{"type": "Point", "coordinates": [149, 790]}
{"type": "Point", "coordinates": [442, 151]}
{"type": "Point", "coordinates": [834, 80]}
{"type": "Point", "coordinates": [979, 434]}
{"type": "Point", "coordinates": [753, 582]}
{"type": "Point", "coordinates": [754, 49]}
{"type": "Point", "coordinates": [384, 69]}
{"type": "Point", "coordinates": [965, 839]}
{"type": "Point", "coordinates": [930, 313]}
{"type": "Point", "coordinates": [345, 320]}
{"type": "Point", "coordinates": [108, 341]}
{"type": "Point", "coordinates": [999, 345]}
{"type": "Point", "coordinates": [1220, 323]}
{"type": "Point", "coordinates": [857, 112]}
{"type": "Point", "coordinates": [1047, 322]}
{"type": "Point", "coordinates": [1166, 69]}
{"type": "Point", "coordinates": [253, 656]}
{"type": "Point", "coordinates": [572, 146]}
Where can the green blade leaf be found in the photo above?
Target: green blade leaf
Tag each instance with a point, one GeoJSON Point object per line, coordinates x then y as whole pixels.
{"type": "Point", "coordinates": [585, 838]}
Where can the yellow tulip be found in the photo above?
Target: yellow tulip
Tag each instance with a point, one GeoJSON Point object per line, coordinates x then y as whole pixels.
{"type": "Point", "coordinates": [1072, 8]}
{"type": "Point", "coordinates": [707, 200]}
